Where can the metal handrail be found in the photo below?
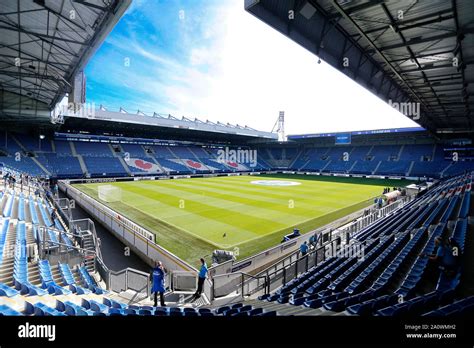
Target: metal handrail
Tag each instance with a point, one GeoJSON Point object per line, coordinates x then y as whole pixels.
{"type": "Point", "coordinates": [331, 240]}
{"type": "Point", "coordinates": [243, 281]}
{"type": "Point", "coordinates": [69, 247]}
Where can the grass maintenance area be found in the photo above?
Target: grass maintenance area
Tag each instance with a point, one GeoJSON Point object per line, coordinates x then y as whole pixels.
{"type": "Point", "coordinates": [193, 217]}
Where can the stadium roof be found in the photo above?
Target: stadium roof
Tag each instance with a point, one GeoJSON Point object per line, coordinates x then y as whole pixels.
{"type": "Point", "coordinates": [402, 51]}
{"type": "Point", "coordinates": [159, 125]}
{"type": "Point", "coordinates": [43, 45]}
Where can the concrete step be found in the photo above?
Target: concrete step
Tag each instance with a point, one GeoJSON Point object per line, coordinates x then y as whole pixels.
{"type": "Point", "coordinates": [287, 309]}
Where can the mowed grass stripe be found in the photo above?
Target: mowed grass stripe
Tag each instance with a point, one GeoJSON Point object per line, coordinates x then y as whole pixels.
{"type": "Point", "coordinates": [211, 230]}
{"type": "Point", "coordinates": [203, 223]}
{"type": "Point", "coordinates": [301, 191]}
{"type": "Point", "coordinates": [272, 206]}
{"type": "Point", "coordinates": [218, 216]}
{"type": "Point", "coordinates": [257, 197]}
{"type": "Point", "coordinates": [221, 207]}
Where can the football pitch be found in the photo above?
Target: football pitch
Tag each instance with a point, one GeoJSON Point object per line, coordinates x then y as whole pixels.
{"type": "Point", "coordinates": [193, 217]}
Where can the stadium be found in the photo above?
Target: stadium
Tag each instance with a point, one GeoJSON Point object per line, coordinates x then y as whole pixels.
{"type": "Point", "coordinates": [321, 224]}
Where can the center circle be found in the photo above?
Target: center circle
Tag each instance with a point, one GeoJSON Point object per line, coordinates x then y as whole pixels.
{"type": "Point", "coordinates": [275, 183]}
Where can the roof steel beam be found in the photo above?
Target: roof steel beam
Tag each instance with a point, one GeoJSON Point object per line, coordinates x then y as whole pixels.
{"type": "Point", "coordinates": [420, 40]}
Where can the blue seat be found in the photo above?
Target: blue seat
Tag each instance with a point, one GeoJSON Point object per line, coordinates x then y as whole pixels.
{"type": "Point", "coordinates": [364, 308]}
{"type": "Point", "coordinates": [316, 303]}
{"type": "Point", "coordinates": [5, 290]}
{"type": "Point", "coordinates": [98, 307]}
{"type": "Point", "coordinates": [231, 311]}
{"type": "Point", "coordinates": [7, 311]}
{"type": "Point", "coordinates": [255, 311]}
{"type": "Point", "coordinates": [141, 311]}
{"type": "Point", "coordinates": [204, 310]}
{"type": "Point", "coordinates": [223, 309]}
{"type": "Point", "coordinates": [74, 310]}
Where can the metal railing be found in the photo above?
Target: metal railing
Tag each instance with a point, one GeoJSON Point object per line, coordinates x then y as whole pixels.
{"type": "Point", "coordinates": [58, 251]}
{"type": "Point", "coordinates": [341, 235]}
{"type": "Point", "coordinates": [129, 279]}
{"type": "Point", "coordinates": [295, 264]}
{"type": "Point", "coordinates": [65, 206]}
{"type": "Point", "coordinates": [239, 284]}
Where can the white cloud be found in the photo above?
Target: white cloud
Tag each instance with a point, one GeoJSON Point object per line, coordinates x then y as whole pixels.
{"type": "Point", "coordinates": [249, 72]}
{"type": "Point", "coordinates": [260, 72]}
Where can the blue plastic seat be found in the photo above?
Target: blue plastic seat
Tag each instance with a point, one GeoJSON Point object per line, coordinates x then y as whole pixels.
{"type": "Point", "coordinates": [255, 311]}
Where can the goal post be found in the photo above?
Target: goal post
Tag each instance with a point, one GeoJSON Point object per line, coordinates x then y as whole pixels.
{"type": "Point", "coordinates": [109, 193]}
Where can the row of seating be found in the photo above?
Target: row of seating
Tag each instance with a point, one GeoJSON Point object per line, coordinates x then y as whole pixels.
{"type": "Point", "coordinates": [388, 279]}
{"type": "Point", "coordinates": [20, 272]}
{"type": "Point", "coordinates": [100, 158]}
{"type": "Point", "coordinates": [460, 307]}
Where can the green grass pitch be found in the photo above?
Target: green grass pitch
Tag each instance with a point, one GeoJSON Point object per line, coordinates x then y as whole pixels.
{"type": "Point", "coordinates": [193, 217]}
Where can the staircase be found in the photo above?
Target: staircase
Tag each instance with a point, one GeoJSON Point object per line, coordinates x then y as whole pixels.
{"type": "Point", "coordinates": [321, 170]}
{"type": "Point", "coordinates": [287, 309]}
{"type": "Point", "coordinates": [88, 244]}
{"type": "Point", "coordinates": [410, 169]}
{"type": "Point", "coordinates": [377, 168]}
{"type": "Point", "coordinates": [445, 169]}
{"type": "Point", "coordinates": [73, 149]}
{"type": "Point", "coordinates": [370, 151]}
{"type": "Point", "coordinates": [32, 158]}
{"type": "Point", "coordinates": [400, 152]}
{"type": "Point", "coordinates": [79, 158]}
{"type": "Point", "coordinates": [124, 165]}
{"type": "Point", "coordinates": [6, 268]}
{"type": "Point", "coordinates": [180, 160]}
{"type": "Point", "coordinates": [6, 271]}
{"type": "Point", "coordinates": [327, 151]}
{"type": "Point", "coordinates": [198, 160]}
{"type": "Point", "coordinates": [298, 155]}
{"type": "Point", "coordinates": [352, 167]}
{"type": "Point", "coordinates": [57, 277]}
{"type": "Point", "coordinates": [77, 277]}
{"type": "Point", "coordinates": [304, 165]}
{"type": "Point", "coordinates": [120, 158]}
{"type": "Point", "coordinates": [270, 155]}
{"type": "Point", "coordinates": [154, 160]}
{"type": "Point", "coordinates": [433, 153]}
{"type": "Point", "coordinates": [34, 276]}
{"type": "Point", "coordinates": [41, 166]}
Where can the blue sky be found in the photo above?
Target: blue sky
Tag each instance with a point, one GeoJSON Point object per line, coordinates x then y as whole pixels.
{"type": "Point", "coordinates": [213, 60]}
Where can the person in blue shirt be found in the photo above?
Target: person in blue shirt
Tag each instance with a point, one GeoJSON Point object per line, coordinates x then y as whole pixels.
{"type": "Point", "coordinates": [313, 240]}
{"type": "Point", "coordinates": [304, 248]}
{"type": "Point", "coordinates": [202, 275]}
{"type": "Point", "coordinates": [158, 287]}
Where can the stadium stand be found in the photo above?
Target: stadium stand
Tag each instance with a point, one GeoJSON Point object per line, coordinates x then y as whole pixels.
{"type": "Point", "coordinates": [75, 159]}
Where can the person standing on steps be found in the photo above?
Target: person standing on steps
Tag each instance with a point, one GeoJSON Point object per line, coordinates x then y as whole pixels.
{"type": "Point", "coordinates": [54, 217]}
{"type": "Point", "coordinates": [158, 278]}
{"type": "Point", "coordinates": [203, 271]}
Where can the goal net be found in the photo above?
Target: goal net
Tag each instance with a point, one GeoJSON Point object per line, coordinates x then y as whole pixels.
{"type": "Point", "coordinates": [109, 193]}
